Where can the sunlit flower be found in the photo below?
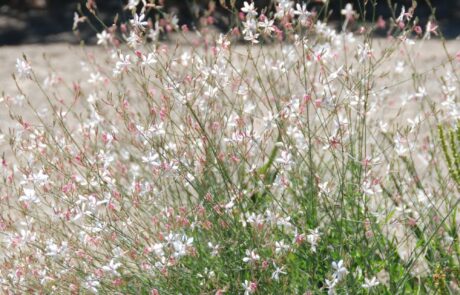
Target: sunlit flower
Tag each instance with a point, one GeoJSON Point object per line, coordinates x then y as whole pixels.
{"type": "Point", "coordinates": [76, 20]}
{"type": "Point", "coordinates": [249, 9]}
{"type": "Point", "coordinates": [313, 238]}
{"type": "Point", "coordinates": [278, 271]}
{"type": "Point", "coordinates": [267, 26]}
{"type": "Point", "coordinates": [330, 285]}
{"type": "Point", "coordinates": [92, 284]}
{"type": "Point", "coordinates": [112, 268]}
{"type": "Point", "coordinates": [138, 21]}
{"type": "Point", "coordinates": [340, 271]}
{"type": "Point", "coordinates": [24, 69]}
{"type": "Point", "coordinates": [249, 287]}
{"type": "Point", "coordinates": [302, 12]}
{"type": "Point", "coordinates": [370, 283]}
{"type": "Point", "coordinates": [29, 196]}
{"type": "Point", "coordinates": [132, 4]}
{"type": "Point", "coordinates": [251, 256]}
{"type": "Point", "coordinates": [348, 12]}
{"type": "Point", "coordinates": [103, 38]}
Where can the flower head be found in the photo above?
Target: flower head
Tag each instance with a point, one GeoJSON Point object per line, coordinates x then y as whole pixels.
{"type": "Point", "coordinates": [24, 69]}
{"type": "Point", "coordinates": [103, 38]}
{"type": "Point", "coordinates": [138, 21]}
{"type": "Point", "coordinates": [340, 271]}
{"type": "Point", "coordinates": [249, 9]}
{"type": "Point", "coordinates": [348, 12]}
{"type": "Point", "coordinates": [370, 283]}
{"type": "Point", "coordinates": [249, 287]}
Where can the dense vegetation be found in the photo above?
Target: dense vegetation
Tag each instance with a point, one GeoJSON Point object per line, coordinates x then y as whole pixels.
{"type": "Point", "coordinates": [303, 161]}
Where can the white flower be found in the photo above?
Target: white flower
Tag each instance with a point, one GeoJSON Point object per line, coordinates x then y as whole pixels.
{"type": "Point", "coordinates": [29, 196]}
{"type": "Point", "coordinates": [334, 75]}
{"type": "Point", "coordinates": [95, 78]}
{"type": "Point", "coordinates": [228, 207]}
{"type": "Point", "coordinates": [339, 270]}
{"type": "Point", "coordinates": [103, 38]}
{"type": "Point", "coordinates": [403, 15]}
{"type": "Point", "coordinates": [250, 36]}
{"type": "Point", "coordinates": [267, 26]}
{"type": "Point", "coordinates": [364, 52]}
{"type": "Point", "coordinates": [284, 221]}
{"type": "Point", "coordinates": [92, 284]}
{"type": "Point", "coordinates": [117, 252]}
{"type": "Point", "coordinates": [270, 120]}
{"type": "Point", "coordinates": [281, 247]}
{"type": "Point", "coordinates": [399, 67]}
{"type": "Point", "coordinates": [122, 65]}
{"type": "Point", "coordinates": [181, 245]}
{"type": "Point", "coordinates": [214, 249]}
{"type": "Point", "coordinates": [138, 21]}
{"type": "Point", "coordinates": [313, 238]}
{"type": "Point", "coordinates": [50, 81]}
{"type": "Point", "coordinates": [383, 126]}
{"type": "Point", "coordinates": [302, 12]}
{"type": "Point", "coordinates": [403, 209]}
{"type": "Point", "coordinates": [158, 249]}
{"type": "Point", "coordinates": [24, 69]}
{"type": "Point", "coordinates": [251, 256]}
{"type": "Point", "coordinates": [250, 25]}
{"type": "Point", "coordinates": [249, 9]}
{"type": "Point", "coordinates": [132, 4]}
{"type": "Point", "coordinates": [54, 250]}
{"type": "Point", "coordinates": [285, 159]}
{"type": "Point", "coordinates": [148, 59]}
{"type": "Point", "coordinates": [112, 268]}
{"type": "Point", "coordinates": [330, 285]}
{"type": "Point", "coordinates": [18, 99]}
{"type": "Point", "coordinates": [348, 11]}
{"type": "Point", "coordinates": [278, 271]}
{"type": "Point", "coordinates": [283, 8]}
{"type": "Point", "coordinates": [399, 147]}
{"type": "Point", "coordinates": [421, 92]}
{"type": "Point", "coordinates": [370, 283]}
{"type": "Point", "coordinates": [223, 41]}
{"type": "Point", "coordinates": [249, 287]}
{"type": "Point", "coordinates": [76, 20]}
{"type": "Point", "coordinates": [430, 28]}
{"type": "Point", "coordinates": [174, 21]}
{"type": "Point", "coordinates": [155, 32]}
{"type": "Point", "coordinates": [249, 108]}
{"type": "Point", "coordinates": [133, 40]}
{"type": "Point", "coordinates": [255, 220]}
{"type": "Point", "coordinates": [92, 98]}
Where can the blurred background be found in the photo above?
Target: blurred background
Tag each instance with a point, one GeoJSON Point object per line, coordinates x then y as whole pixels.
{"type": "Point", "coordinates": [45, 21]}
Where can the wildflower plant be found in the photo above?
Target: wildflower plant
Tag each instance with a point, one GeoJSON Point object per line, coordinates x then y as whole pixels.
{"type": "Point", "coordinates": [291, 164]}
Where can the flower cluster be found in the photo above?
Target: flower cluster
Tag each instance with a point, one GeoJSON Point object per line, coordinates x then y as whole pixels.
{"type": "Point", "coordinates": [302, 166]}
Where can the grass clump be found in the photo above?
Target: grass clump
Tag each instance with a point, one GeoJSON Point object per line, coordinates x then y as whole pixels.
{"type": "Point", "coordinates": [303, 161]}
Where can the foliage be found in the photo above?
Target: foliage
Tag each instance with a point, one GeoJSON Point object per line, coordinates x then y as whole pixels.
{"type": "Point", "coordinates": [278, 166]}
